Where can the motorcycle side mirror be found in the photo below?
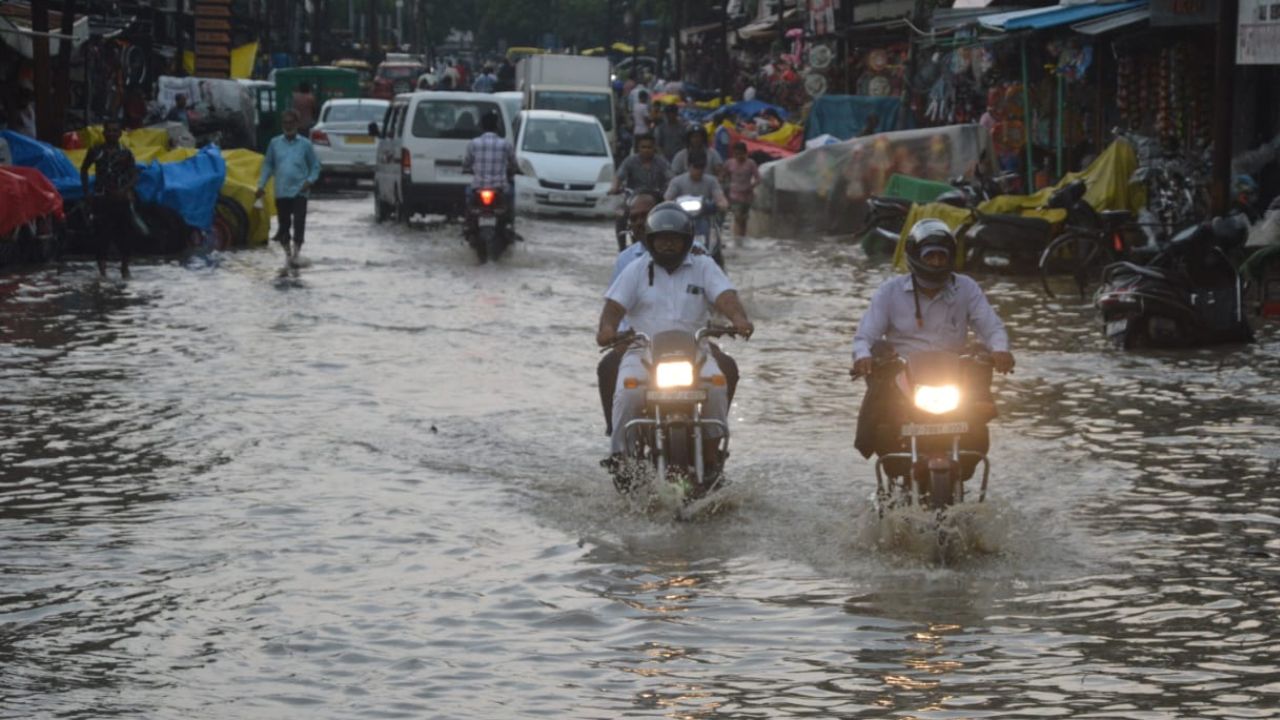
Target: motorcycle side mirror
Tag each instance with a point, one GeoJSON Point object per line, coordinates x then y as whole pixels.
{"type": "Point", "coordinates": [373, 129]}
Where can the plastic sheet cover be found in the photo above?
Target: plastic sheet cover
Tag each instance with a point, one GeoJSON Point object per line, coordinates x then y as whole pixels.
{"type": "Point", "coordinates": [1107, 188]}
{"type": "Point", "coordinates": [823, 190]}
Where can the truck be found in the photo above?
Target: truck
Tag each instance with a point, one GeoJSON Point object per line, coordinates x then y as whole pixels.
{"type": "Point", "coordinates": [569, 83]}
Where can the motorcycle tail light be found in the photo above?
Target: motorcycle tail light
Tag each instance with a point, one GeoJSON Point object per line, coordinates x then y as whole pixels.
{"type": "Point", "coordinates": [1117, 242]}
{"type": "Point", "coordinates": [319, 137]}
{"type": "Point", "coordinates": [487, 196]}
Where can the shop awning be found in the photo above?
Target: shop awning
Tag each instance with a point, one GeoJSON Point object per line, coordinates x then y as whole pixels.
{"type": "Point", "coordinates": [956, 16]}
{"type": "Point", "coordinates": [765, 27]}
{"type": "Point", "coordinates": [1113, 22]}
{"type": "Point", "coordinates": [1056, 15]}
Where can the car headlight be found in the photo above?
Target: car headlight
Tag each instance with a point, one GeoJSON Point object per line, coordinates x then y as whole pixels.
{"type": "Point", "coordinates": [693, 207]}
{"type": "Point", "coordinates": [675, 374]}
{"type": "Point", "coordinates": [526, 167]}
{"type": "Point", "coordinates": [937, 400]}
{"type": "Point", "coordinates": [606, 174]}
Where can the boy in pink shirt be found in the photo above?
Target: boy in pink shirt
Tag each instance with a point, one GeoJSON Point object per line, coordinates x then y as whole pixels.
{"type": "Point", "coordinates": [742, 175]}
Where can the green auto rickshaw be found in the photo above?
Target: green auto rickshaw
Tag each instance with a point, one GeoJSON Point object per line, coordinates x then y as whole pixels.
{"type": "Point", "coordinates": [326, 83]}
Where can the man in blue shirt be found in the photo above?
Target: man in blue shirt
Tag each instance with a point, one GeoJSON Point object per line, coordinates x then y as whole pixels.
{"type": "Point", "coordinates": [293, 163]}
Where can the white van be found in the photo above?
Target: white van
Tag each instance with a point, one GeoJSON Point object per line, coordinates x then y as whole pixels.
{"type": "Point", "coordinates": [421, 144]}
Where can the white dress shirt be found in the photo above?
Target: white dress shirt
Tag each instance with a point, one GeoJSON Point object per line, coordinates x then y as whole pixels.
{"type": "Point", "coordinates": [660, 301]}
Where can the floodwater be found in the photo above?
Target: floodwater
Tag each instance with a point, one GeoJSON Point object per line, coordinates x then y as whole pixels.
{"type": "Point", "coordinates": [372, 491]}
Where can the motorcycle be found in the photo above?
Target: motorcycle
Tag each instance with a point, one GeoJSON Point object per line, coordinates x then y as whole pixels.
{"type": "Point", "coordinates": [935, 434]}
{"type": "Point", "coordinates": [670, 433]}
{"type": "Point", "coordinates": [706, 224]}
{"type": "Point", "coordinates": [1190, 294]}
{"type": "Point", "coordinates": [488, 227]}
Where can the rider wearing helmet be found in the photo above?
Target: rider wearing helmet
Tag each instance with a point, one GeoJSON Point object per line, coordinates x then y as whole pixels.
{"type": "Point", "coordinates": [673, 290]}
{"type": "Point", "coordinates": [930, 308]}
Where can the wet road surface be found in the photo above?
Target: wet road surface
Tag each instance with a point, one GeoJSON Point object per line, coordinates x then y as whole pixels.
{"type": "Point", "coordinates": [372, 491]}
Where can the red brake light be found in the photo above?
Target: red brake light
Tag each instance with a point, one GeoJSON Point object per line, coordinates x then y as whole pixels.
{"type": "Point", "coordinates": [1117, 242]}
{"type": "Point", "coordinates": [486, 196]}
{"type": "Point", "coordinates": [406, 163]}
{"type": "Point", "coordinates": [319, 137]}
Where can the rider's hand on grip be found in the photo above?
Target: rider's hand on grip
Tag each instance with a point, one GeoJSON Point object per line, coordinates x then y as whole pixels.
{"type": "Point", "coordinates": [861, 368]}
{"type": "Point", "coordinates": [744, 328]}
{"type": "Point", "coordinates": [1002, 362]}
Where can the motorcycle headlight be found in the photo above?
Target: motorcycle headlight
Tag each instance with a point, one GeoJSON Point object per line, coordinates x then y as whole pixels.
{"type": "Point", "coordinates": [526, 167]}
{"type": "Point", "coordinates": [693, 207]}
{"type": "Point", "coordinates": [937, 400]}
{"type": "Point", "coordinates": [675, 374]}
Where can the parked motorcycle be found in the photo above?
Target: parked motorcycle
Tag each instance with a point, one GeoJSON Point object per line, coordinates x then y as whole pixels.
{"type": "Point", "coordinates": [670, 434]}
{"type": "Point", "coordinates": [706, 224]}
{"type": "Point", "coordinates": [1190, 294]}
{"type": "Point", "coordinates": [934, 432]}
{"type": "Point", "coordinates": [488, 227]}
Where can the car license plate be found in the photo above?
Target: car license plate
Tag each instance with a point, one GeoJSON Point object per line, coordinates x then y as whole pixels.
{"type": "Point", "coordinates": [565, 198]}
{"type": "Point", "coordinates": [359, 140]}
{"type": "Point", "coordinates": [1116, 327]}
{"type": "Point", "coordinates": [488, 221]}
{"type": "Point", "coordinates": [951, 428]}
{"type": "Point", "coordinates": [666, 396]}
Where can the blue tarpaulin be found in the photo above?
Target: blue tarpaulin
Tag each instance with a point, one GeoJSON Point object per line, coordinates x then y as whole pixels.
{"type": "Point", "coordinates": [1056, 15]}
{"type": "Point", "coordinates": [844, 116]}
{"type": "Point", "coordinates": [28, 152]}
{"type": "Point", "coordinates": [748, 109]}
{"type": "Point", "coordinates": [189, 187]}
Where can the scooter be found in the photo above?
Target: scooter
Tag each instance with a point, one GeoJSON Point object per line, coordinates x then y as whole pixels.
{"type": "Point", "coordinates": [706, 224]}
{"type": "Point", "coordinates": [935, 429]}
{"type": "Point", "coordinates": [1189, 295]}
{"type": "Point", "coordinates": [488, 226]}
{"type": "Point", "coordinates": [670, 433]}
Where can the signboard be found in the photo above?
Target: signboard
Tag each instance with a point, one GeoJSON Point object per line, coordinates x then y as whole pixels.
{"type": "Point", "coordinates": [1258, 39]}
{"type": "Point", "coordinates": [1165, 13]}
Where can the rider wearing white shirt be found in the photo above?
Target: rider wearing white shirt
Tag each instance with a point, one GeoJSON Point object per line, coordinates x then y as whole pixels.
{"type": "Point", "coordinates": [673, 290]}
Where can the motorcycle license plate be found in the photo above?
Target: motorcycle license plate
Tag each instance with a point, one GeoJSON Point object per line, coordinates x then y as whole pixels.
{"type": "Point", "coordinates": [1116, 327]}
{"type": "Point", "coordinates": [951, 428]}
{"type": "Point", "coordinates": [672, 396]}
{"type": "Point", "coordinates": [488, 221]}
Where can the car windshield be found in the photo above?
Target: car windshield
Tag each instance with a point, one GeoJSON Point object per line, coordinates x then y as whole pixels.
{"type": "Point", "coordinates": [453, 119]}
{"type": "Point", "coordinates": [563, 137]}
{"type": "Point", "coordinates": [364, 112]}
{"type": "Point", "coordinates": [596, 104]}
{"type": "Point", "coordinates": [397, 72]}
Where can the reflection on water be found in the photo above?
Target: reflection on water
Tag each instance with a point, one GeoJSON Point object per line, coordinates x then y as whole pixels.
{"type": "Point", "coordinates": [373, 491]}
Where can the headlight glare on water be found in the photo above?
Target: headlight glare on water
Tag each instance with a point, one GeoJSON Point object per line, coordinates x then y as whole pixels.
{"type": "Point", "coordinates": [675, 374]}
{"type": "Point", "coordinates": [937, 400]}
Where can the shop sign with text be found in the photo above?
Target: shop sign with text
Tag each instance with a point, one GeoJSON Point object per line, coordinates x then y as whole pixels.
{"type": "Point", "coordinates": [1258, 38]}
{"type": "Point", "coordinates": [1183, 12]}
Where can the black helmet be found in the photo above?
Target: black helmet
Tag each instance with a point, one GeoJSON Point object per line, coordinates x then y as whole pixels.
{"type": "Point", "coordinates": [930, 233]}
{"type": "Point", "coordinates": [666, 219]}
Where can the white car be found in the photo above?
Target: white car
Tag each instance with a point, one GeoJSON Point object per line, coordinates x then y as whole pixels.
{"type": "Point", "coordinates": [341, 138]}
{"type": "Point", "coordinates": [566, 165]}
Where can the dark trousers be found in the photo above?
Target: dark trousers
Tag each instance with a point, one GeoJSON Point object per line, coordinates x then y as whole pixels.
{"type": "Point", "coordinates": [113, 223]}
{"type": "Point", "coordinates": [607, 376]}
{"type": "Point", "coordinates": [291, 213]}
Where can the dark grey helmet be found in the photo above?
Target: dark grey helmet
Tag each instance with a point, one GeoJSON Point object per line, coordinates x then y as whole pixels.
{"type": "Point", "coordinates": [927, 234]}
{"type": "Point", "coordinates": [666, 219]}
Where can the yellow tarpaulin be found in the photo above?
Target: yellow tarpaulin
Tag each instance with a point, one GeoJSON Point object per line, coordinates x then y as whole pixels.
{"type": "Point", "coordinates": [1107, 188]}
{"type": "Point", "coordinates": [783, 135]}
{"type": "Point", "coordinates": [242, 61]}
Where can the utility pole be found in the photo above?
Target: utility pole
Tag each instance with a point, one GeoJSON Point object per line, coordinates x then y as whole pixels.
{"type": "Point", "coordinates": [61, 91]}
{"type": "Point", "coordinates": [40, 47]}
{"type": "Point", "coordinates": [1224, 72]}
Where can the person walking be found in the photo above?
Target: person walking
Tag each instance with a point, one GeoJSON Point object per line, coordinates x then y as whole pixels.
{"type": "Point", "coordinates": [304, 102]}
{"type": "Point", "coordinates": [292, 161]}
{"type": "Point", "coordinates": [743, 176]}
{"type": "Point", "coordinates": [115, 174]}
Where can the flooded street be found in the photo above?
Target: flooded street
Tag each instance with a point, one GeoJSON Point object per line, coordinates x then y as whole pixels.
{"type": "Point", "coordinates": [373, 491]}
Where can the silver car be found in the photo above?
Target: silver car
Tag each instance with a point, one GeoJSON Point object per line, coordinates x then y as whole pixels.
{"type": "Point", "coordinates": [341, 139]}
